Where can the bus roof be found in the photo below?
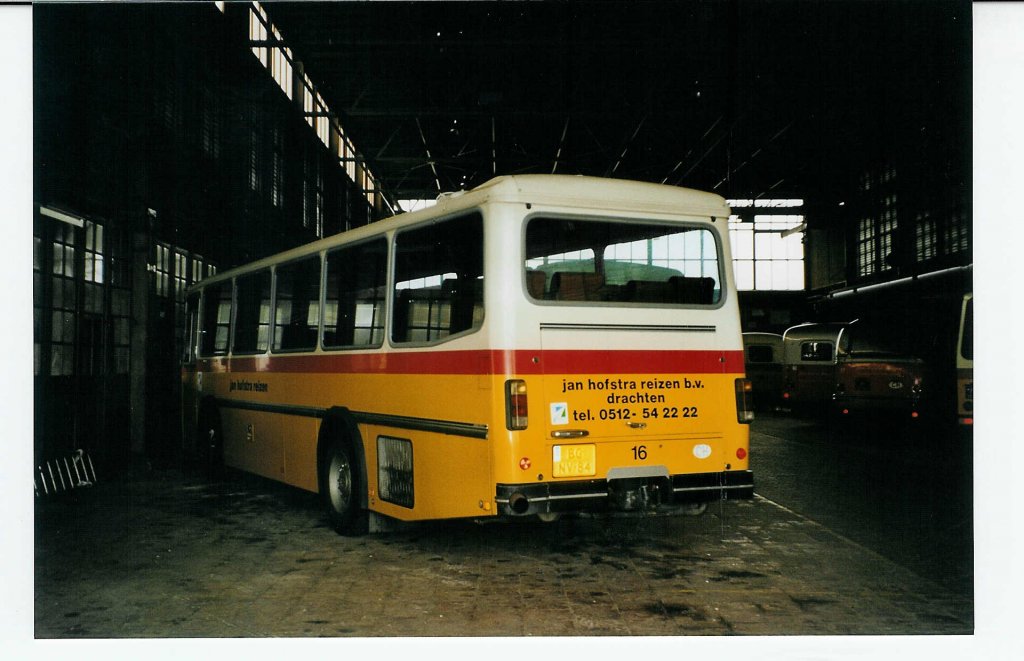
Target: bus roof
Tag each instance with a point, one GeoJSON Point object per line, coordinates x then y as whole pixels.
{"type": "Point", "coordinates": [760, 337]}
{"type": "Point", "coordinates": [571, 191]}
{"type": "Point", "coordinates": [815, 331]}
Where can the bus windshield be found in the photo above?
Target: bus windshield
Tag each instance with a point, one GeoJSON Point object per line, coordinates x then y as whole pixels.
{"type": "Point", "coordinates": [621, 262]}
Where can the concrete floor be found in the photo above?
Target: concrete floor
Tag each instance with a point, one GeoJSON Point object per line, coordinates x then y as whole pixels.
{"type": "Point", "coordinates": [165, 554]}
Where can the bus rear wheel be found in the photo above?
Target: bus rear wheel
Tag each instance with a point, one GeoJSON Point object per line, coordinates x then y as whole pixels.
{"type": "Point", "coordinates": [340, 489]}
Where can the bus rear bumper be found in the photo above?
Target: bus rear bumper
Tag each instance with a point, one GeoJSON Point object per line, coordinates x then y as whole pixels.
{"type": "Point", "coordinates": [639, 494]}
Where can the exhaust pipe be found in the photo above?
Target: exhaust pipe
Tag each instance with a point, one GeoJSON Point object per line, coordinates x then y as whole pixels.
{"type": "Point", "coordinates": [518, 503]}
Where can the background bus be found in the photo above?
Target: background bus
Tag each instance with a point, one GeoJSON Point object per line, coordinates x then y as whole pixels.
{"type": "Point", "coordinates": [850, 367]}
{"type": "Point", "coordinates": [965, 363]}
{"type": "Point", "coordinates": [762, 354]}
{"type": "Point", "coordinates": [541, 344]}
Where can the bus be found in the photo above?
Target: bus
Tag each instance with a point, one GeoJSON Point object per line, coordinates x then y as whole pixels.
{"type": "Point", "coordinates": [763, 363]}
{"type": "Point", "coordinates": [850, 367]}
{"type": "Point", "coordinates": [539, 345]}
{"type": "Point", "coordinates": [965, 363]}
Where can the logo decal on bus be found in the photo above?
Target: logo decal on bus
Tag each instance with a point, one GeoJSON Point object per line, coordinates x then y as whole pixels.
{"type": "Point", "coordinates": [559, 413]}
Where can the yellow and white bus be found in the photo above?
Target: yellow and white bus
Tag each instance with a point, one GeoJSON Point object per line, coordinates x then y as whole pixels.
{"type": "Point", "coordinates": [538, 345]}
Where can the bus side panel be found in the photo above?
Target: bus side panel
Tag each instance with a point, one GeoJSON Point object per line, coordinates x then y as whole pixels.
{"type": "Point", "coordinates": [965, 394]}
{"type": "Point", "coordinates": [253, 440]}
{"type": "Point", "coordinates": [190, 398]}
{"type": "Point", "coordinates": [810, 384]}
{"type": "Point", "coordinates": [450, 475]}
{"type": "Point", "coordinates": [451, 471]}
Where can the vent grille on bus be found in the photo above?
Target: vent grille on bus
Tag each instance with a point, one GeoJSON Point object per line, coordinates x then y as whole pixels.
{"type": "Point", "coordinates": [394, 471]}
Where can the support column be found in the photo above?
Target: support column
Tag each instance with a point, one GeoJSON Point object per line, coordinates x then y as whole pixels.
{"type": "Point", "coordinates": [139, 333]}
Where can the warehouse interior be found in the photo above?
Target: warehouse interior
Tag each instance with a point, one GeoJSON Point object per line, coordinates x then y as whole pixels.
{"type": "Point", "coordinates": [172, 141]}
{"type": "Point", "coordinates": [175, 141]}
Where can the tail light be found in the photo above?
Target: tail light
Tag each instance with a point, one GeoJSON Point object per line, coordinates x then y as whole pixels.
{"type": "Point", "coordinates": [744, 401]}
{"type": "Point", "coordinates": [516, 410]}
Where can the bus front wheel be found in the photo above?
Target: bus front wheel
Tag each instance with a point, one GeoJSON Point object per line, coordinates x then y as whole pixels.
{"type": "Point", "coordinates": [340, 489]}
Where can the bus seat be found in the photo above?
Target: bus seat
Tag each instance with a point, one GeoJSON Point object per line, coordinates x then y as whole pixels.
{"type": "Point", "coordinates": [465, 296]}
{"type": "Point", "coordinates": [400, 316]}
{"type": "Point", "coordinates": [298, 336]}
{"type": "Point", "coordinates": [569, 286]}
{"type": "Point", "coordinates": [535, 283]}
{"type": "Point", "coordinates": [700, 291]}
{"type": "Point", "coordinates": [648, 292]}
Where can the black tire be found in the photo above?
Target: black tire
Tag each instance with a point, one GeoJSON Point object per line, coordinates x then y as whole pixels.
{"type": "Point", "coordinates": [210, 443]}
{"type": "Point", "coordinates": [341, 490]}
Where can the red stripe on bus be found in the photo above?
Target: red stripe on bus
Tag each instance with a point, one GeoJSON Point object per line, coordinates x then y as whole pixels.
{"type": "Point", "coordinates": [490, 362]}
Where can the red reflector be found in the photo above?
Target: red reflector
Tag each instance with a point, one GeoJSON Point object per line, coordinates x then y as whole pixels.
{"type": "Point", "coordinates": [741, 454]}
{"type": "Point", "coordinates": [966, 421]}
{"type": "Point", "coordinates": [785, 395]}
{"type": "Point", "coordinates": [913, 414]}
{"type": "Point", "coordinates": [524, 463]}
{"type": "Point", "coordinates": [846, 411]}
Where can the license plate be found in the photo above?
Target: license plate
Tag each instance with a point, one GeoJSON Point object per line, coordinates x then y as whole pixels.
{"type": "Point", "coordinates": [573, 460]}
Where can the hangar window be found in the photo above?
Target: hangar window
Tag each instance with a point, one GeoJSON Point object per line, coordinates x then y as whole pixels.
{"type": "Point", "coordinates": [866, 247]}
{"type": "Point", "coordinates": [767, 248]}
{"type": "Point", "coordinates": [277, 174]}
{"type": "Point", "coordinates": [267, 45]}
{"type": "Point", "coordinates": [955, 234]}
{"type": "Point", "coordinates": [64, 309]}
{"type": "Point", "coordinates": [254, 153]}
{"type": "Point", "coordinates": [258, 32]}
{"type": "Point", "coordinates": [876, 238]}
{"type": "Point", "coordinates": [926, 238]}
{"type": "Point", "coordinates": [162, 270]}
{"type": "Point", "coordinates": [210, 134]}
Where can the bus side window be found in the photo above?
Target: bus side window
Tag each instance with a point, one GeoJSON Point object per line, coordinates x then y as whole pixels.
{"type": "Point", "coordinates": [191, 330]}
{"type": "Point", "coordinates": [297, 305]}
{"type": "Point", "coordinates": [354, 301]}
{"type": "Point", "coordinates": [438, 280]}
{"type": "Point", "coordinates": [252, 318]}
{"type": "Point", "coordinates": [216, 319]}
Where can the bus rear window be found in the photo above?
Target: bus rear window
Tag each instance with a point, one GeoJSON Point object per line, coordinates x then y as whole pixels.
{"type": "Point", "coordinates": [816, 351]}
{"type": "Point", "coordinates": [571, 260]}
{"type": "Point", "coordinates": [759, 353]}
